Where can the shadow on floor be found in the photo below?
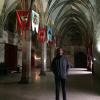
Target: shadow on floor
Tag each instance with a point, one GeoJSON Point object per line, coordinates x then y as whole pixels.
{"type": "Point", "coordinates": [84, 83]}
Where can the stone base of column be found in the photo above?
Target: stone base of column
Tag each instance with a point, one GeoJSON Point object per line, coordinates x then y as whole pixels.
{"type": "Point", "coordinates": [42, 73]}
{"type": "Point", "coordinates": [24, 81]}
{"type": "Point", "coordinates": [88, 68]}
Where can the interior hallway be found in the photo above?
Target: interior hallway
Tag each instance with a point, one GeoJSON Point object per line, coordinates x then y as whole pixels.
{"type": "Point", "coordinates": [81, 86]}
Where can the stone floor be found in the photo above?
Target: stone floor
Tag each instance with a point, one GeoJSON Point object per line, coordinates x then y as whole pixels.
{"type": "Point", "coordinates": [81, 86]}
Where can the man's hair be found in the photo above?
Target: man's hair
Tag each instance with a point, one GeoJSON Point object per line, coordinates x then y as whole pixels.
{"type": "Point", "coordinates": [58, 50]}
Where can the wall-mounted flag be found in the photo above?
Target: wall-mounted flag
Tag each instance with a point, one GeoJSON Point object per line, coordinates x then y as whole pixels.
{"type": "Point", "coordinates": [23, 18]}
{"type": "Point", "coordinates": [35, 21]}
{"type": "Point", "coordinates": [42, 35]}
{"type": "Point", "coordinates": [50, 35]}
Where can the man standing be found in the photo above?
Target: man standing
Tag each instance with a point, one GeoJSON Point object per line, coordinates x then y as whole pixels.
{"type": "Point", "coordinates": [60, 69]}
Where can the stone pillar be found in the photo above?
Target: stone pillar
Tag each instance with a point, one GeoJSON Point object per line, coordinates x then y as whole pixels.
{"type": "Point", "coordinates": [51, 54]}
{"type": "Point", "coordinates": [11, 37]}
{"type": "Point", "coordinates": [53, 51]}
{"type": "Point", "coordinates": [96, 59]}
{"type": "Point", "coordinates": [44, 59]}
{"type": "Point", "coordinates": [26, 57]}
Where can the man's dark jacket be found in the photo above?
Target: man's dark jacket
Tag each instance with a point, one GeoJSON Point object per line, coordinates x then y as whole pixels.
{"type": "Point", "coordinates": [60, 67]}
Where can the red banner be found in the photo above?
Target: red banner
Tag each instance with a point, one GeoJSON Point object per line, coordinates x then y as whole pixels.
{"type": "Point", "coordinates": [51, 42]}
{"type": "Point", "coordinates": [42, 35]}
{"type": "Point", "coordinates": [23, 18]}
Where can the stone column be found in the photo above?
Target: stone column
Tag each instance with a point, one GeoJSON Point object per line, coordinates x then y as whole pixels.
{"type": "Point", "coordinates": [44, 59]}
{"type": "Point", "coordinates": [11, 37]}
{"type": "Point", "coordinates": [26, 57]}
{"type": "Point", "coordinates": [51, 54]}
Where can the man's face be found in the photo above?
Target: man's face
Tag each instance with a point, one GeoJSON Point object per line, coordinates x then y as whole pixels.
{"type": "Point", "coordinates": [61, 51]}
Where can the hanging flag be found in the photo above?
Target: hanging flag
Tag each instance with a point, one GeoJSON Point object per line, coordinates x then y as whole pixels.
{"type": "Point", "coordinates": [42, 35]}
{"type": "Point", "coordinates": [35, 21]}
{"type": "Point", "coordinates": [23, 18]}
{"type": "Point", "coordinates": [50, 36]}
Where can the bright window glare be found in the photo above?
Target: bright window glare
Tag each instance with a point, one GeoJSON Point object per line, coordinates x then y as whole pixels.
{"type": "Point", "coordinates": [94, 59]}
{"type": "Point", "coordinates": [78, 71]}
{"type": "Point", "coordinates": [98, 46]}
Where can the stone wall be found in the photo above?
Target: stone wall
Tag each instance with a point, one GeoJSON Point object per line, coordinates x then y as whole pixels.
{"type": "Point", "coordinates": [96, 49]}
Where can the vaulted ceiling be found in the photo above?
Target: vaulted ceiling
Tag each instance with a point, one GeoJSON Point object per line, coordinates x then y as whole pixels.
{"type": "Point", "coordinates": [73, 19]}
